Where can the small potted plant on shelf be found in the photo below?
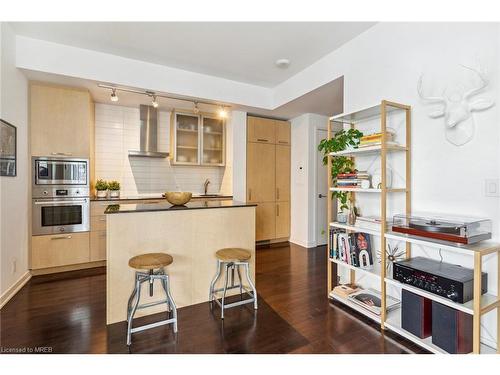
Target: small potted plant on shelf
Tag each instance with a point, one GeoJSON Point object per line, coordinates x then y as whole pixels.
{"type": "Point", "coordinates": [101, 187]}
{"type": "Point", "coordinates": [114, 189]}
{"type": "Point", "coordinates": [341, 164]}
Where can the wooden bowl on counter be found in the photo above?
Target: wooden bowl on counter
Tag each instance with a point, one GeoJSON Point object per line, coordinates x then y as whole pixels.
{"type": "Point", "coordinates": [178, 198]}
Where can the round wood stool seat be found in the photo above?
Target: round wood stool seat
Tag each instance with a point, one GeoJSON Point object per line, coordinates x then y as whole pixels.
{"type": "Point", "coordinates": [150, 261]}
{"type": "Point", "coordinates": [233, 255]}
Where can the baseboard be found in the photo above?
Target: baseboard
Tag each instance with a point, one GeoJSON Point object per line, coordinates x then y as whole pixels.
{"type": "Point", "coordinates": [303, 244]}
{"type": "Point", "coordinates": [11, 292]}
{"type": "Point", "coordinates": [73, 267]}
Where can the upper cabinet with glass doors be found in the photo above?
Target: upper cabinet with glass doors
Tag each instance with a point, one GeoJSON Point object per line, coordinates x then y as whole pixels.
{"type": "Point", "coordinates": [197, 139]}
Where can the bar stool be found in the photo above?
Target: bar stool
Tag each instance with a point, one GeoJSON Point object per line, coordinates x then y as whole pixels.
{"type": "Point", "coordinates": [232, 259]}
{"type": "Point", "coordinates": [154, 263]}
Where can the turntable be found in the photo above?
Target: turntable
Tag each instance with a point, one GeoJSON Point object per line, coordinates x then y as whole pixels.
{"type": "Point", "coordinates": [457, 230]}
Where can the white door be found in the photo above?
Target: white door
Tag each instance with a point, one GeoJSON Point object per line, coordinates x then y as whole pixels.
{"type": "Point", "coordinates": [321, 194]}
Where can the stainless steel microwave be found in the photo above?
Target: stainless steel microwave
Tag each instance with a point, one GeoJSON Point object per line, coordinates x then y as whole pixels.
{"type": "Point", "coordinates": [60, 171]}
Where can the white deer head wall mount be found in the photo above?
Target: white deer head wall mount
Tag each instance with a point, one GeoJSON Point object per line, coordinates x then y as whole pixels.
{"type": "Point", "coordinates": [456, 106]}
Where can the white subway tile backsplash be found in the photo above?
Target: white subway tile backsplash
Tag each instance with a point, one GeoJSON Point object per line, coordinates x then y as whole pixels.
{"type": "Point", "coordinates": [117, 132]}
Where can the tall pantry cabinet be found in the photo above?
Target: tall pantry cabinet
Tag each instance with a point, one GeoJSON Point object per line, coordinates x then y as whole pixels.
{"type": "Point", "coordinates": [268, 176]}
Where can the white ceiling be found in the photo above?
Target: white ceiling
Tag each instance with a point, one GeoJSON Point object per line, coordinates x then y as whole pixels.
{"type": "Point", "coordinates": [325, 100]}
{"type": "Point", "coordinates": [240, 51]}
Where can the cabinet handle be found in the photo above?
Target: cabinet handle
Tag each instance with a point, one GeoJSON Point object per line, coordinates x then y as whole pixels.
{"type": "Point", "coordinates": [262, 140]}
{"type": "Point", "coordinates": [249, 194]}
{"type": "Point", "coordinates": [284, 142]}
{"type": "Point", "coordinates": [62, 153]}
{"type": "Point", "coordinates": [102, 219]}
{"type": "Point", "coordinates": [277, 210]}
{"type": "Point", "coordinates": [278, 193]}
{"type": "Point", "coordinates": [62, 238]}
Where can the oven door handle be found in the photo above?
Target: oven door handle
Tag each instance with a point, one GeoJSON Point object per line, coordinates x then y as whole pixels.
{"type": "Point", "coordinates": [61, 202]}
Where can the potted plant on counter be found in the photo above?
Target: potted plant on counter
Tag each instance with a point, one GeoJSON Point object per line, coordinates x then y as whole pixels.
{"type": "Point", "coordinates": [114, 189]}
{"type": "Point", "coordinates": [101, 187]}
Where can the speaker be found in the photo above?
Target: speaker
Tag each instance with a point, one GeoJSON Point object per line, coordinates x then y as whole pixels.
{"type": "Point", "coordinates": [416, 314]}
{"type": "Point", "coordinates": [451, 329]}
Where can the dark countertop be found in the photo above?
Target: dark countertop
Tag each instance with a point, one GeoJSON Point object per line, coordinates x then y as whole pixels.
{"type": "Point", "coordinates": [138, 198]}
{"type": "Point", "coordinates": [193, 205]}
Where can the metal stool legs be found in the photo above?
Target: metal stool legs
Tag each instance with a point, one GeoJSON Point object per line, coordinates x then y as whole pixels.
{"type": "Point", "coordinates": [252, 292]}
{"type": "Point", "coordinates": [133, 306]}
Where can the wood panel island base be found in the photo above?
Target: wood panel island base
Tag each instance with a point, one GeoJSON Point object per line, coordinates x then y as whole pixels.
{"type": "Point", "coordinates": [191, 234]}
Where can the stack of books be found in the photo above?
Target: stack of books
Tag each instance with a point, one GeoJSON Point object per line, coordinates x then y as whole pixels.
{"type": "Point", "coordinates": [352, 180]}
{"type": "Point", "coordinates": [375, 139]}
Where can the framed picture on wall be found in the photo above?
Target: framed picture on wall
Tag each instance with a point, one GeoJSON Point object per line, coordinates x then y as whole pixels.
{"type": "Point", "coordinates": [8, 149]}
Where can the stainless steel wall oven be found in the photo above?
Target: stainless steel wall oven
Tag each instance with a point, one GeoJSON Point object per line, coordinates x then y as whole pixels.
{"type": "Point", "coordinates": [60, 195]}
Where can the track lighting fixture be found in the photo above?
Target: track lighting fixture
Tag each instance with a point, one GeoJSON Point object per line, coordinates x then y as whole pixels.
{"type": "Point", "coordinates": [222, 112]}
{"type": "Point", "coordinates": [114, 97]}
{"type": "Point", "coordinates": [155, 101]}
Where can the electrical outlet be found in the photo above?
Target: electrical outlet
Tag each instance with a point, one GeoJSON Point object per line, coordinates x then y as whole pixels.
{"type": "Point", "coordinates": [492, 188]}
{"type": "Point", "coordinates": [14, 266]}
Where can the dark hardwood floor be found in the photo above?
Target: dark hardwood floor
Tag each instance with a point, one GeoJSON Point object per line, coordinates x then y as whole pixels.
{"type": "Point", "coordinates": [65, 313]}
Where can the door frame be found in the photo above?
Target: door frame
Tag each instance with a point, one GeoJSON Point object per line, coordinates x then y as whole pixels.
{"type": "Point", "coordinates": [315, 177]}
{"type": "Point", "coordinates": [316, 187]}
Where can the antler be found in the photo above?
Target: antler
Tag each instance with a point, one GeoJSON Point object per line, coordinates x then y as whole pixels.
{"type": "Point", "coordinates": [484, 82]}
{"type": "Point", "coordinates": [432, 99]}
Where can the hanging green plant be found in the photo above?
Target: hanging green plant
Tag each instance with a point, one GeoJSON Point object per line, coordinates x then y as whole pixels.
{"type": "Point", "coordinates": [340, 164]}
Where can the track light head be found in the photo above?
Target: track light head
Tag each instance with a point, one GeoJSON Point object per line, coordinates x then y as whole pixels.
{"type": "Point", "coordinates": [155, 101]}
{"type": "Point", "coordinates": [196, 110]}
{"type": "Point", "coordinates": [114, 97]}
{"type": "Point", "coordinates": [222, 112]}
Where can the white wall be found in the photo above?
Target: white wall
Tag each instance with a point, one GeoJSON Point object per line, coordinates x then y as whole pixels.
{"type": "Point", "coordinates": [385, 62]}
{"type": "Point", "coordinates": [239, 155]}
{"type": "Point", "coordinates": [14, 203]}
{"type": "Point", "coordinates": [303, 178]}
{"type": "Point", "coordinates": [118, 131]}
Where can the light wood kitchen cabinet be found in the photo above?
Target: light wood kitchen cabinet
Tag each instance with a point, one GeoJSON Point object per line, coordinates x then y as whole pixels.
{"type": "Point", "coordinates": [197, 139]}
{"type": "Point", "coordinates": [61, 121]}
{"type": "Point", "coordinates": [98, 223]}
{"type": "Point", "coordinates": [282, 132]}
{"type": "Point", "coordinates": [261, 130]}
{"type": "Point", "coordinates": [282, 219]}
{"type": "Point", "coordinates": [265, 226]}
{"type": "Point", "coordinates": [59, 250]}
{"type": "Point", "coordinates": [261, 172]}
{"type": "Point", "coordinates": [282, 173]}
{"type": "Point", "coordinates": [268, 176]}
{"type": "Point", "coordinates": [97, 246]}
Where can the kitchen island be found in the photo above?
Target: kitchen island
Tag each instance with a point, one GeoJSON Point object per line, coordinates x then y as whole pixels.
{"type": "Point", "coordinates": [191, 234]}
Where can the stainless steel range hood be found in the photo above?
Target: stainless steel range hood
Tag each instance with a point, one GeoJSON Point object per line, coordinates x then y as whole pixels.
{"type": "Point", "coordinates": [149, 134]}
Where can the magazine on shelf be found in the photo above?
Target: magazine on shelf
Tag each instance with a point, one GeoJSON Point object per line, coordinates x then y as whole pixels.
{"type": "Point", "coordinates": [370, 299]}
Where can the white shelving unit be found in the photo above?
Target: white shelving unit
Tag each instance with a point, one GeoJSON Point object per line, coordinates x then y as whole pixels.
{"type": "Point", "coordinates": [352, 305]}
{"type": "Point", "coordinates": [368, 150]}
{"type": "Point", "coordinates": [355, 228]}
{"type": "Point", "coordinates": [391, 320]}
{"type": "Point", "coordinates": [374, 271]}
